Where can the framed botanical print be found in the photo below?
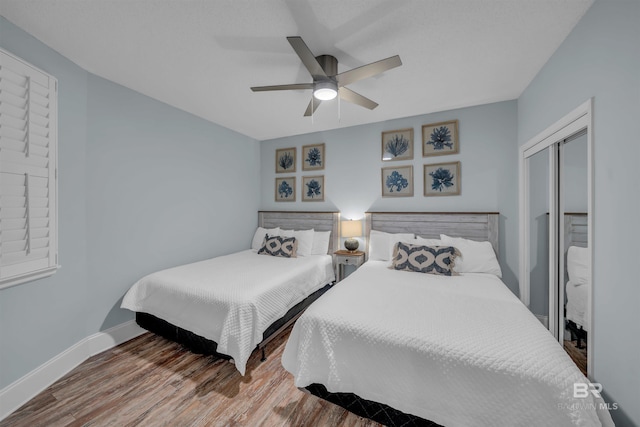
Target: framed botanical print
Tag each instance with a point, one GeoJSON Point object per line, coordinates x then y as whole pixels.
{"type": "Point", "coordinates": [442, 179]}
{"type": "Point", "coordinates": [313, 188]}
{"type": "Point", "coordinates": [439, 139]}
{"type": "Point", "coordinates": [313, 157]}
{"type": "Point", "coordinates": [397, 145]}
{"type": "Point", "coordinates": [286, 189]}
{"type": "Point", "coordinates": [286, 160]}
{"type": "Point", "coordinates": [397, 181]}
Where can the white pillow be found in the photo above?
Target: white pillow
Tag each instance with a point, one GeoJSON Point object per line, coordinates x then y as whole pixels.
{"type": "Point", "coordinates": [378, 242]}
{"type": "Point", "coordinates": [381, 244]}
{"type": "Point", "coordinates": [427, 242]}
{"type": "Point", "coordinates": [304, 239]}
{"type": "Point", "coordinates": [476, 257]}
{"type": "Point", "coordinates": [321, 241]}
{"type": "Point", "coordinates": [258, 236]}
{"type": "Point", "coordinates": [578, 265]}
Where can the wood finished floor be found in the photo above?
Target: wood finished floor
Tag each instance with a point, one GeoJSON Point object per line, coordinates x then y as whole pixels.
{"type": "Point", "coordinates": [150, 381]}
{"type": "Point", "coordinates": [579, 356]}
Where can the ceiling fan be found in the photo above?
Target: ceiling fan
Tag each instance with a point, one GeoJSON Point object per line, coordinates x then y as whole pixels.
{"type": "Point", "coordinates": [327, 83]}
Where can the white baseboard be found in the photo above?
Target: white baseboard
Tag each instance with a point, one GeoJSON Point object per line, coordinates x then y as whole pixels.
{"type": "Point", "coordinates": [113, 336]}
{"type": "Point", "coordinates": [543, 319]}
{"type": "Point", "coordinates": [26, 388]}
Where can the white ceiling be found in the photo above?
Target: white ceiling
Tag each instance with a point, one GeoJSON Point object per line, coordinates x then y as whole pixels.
{"type": "Point", "coordinates": [203, 55]}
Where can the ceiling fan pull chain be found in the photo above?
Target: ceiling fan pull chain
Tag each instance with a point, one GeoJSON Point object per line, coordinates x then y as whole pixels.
{"type": "Point", "coordinates": [339, 108]}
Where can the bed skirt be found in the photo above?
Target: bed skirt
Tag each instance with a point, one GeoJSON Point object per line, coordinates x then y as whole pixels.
{"type": "Point", "coordinates": [200, 345]}
{"type": "Point", "coordinates": [375, 411]}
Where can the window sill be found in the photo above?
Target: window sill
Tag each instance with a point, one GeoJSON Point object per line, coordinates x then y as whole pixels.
{"type": "Point", "coordinates": [17, 280]}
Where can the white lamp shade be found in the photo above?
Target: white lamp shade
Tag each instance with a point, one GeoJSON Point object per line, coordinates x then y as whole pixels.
{"type": "Point", "coordinates": [351, 228]}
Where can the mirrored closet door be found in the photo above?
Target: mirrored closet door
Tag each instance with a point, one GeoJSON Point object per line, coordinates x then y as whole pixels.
{"type": "Point", "coordinates": [575, 272]}
{"type": "Point", "coordinates": [555, 220]}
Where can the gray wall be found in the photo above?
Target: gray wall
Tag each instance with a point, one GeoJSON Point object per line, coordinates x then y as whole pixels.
{"type": "Point", "coordinates": [539, 175]}
{"type": "Point", "coordinates": [575, 172]}
{"type": "Point", "coordinates": [164, 188]}
{"type": "Point", "coordinates": [601, 59]}
{"type": "Point", "coordinates": [142, 186]}
{"type": "Point", "coordinates": [488, 153]}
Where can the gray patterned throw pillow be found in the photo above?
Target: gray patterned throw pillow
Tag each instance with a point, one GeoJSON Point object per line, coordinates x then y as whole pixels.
{"type": "Point", "coordinates": [285, 247]}
{"type": "Point", "coordinates": [425, 259]}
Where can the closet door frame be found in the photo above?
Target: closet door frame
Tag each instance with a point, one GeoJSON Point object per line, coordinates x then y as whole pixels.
{"type": "Point", "coordinates": [578, 120]}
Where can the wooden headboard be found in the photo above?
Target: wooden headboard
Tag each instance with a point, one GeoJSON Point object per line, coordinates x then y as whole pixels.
{"type": "Point", "coordinates": [575, 230]}
{"type": "Point", "coordinates": [480, 226]}
{"type": "Point", "coordinates": [294, 220]}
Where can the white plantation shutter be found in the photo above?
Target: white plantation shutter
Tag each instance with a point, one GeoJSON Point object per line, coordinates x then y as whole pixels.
{"type": "Point", "coordinates": [28, 172]}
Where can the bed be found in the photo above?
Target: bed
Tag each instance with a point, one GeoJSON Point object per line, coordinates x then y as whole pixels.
{"type": "Point", "coordinates": [233, 304]}
{"type": "Point", "coordinates": [407, 348]}
{"type": "Point", "coordinates": [577, 278]}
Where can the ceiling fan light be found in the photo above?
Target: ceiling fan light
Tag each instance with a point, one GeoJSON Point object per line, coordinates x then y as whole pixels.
{"type": "Point", "coordinates": [325, 91]}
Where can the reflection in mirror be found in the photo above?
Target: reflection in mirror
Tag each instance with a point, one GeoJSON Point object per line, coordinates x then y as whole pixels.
{"type": "Point", "coordinates": [576, 273]}
{"type": "Point", "coordinates": [539, 175]}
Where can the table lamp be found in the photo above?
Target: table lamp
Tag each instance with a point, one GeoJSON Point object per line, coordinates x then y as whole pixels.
{"type": "Point", "coordinates": [351, 229]}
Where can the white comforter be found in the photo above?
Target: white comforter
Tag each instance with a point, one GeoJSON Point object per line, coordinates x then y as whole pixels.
{"type": "Point", "coordinates": [577, 299]}
{"type": "Point", "coordinates": [460, 351]}
{"type": "Point", "coordinates": [230, 299]}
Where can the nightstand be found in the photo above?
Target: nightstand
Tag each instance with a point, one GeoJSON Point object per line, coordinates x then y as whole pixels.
{"type": "Point", "coordinates": [343, 258]}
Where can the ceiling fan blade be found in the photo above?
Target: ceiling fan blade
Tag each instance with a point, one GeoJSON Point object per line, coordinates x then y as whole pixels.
{"type": "Point", "coordinates": [307, 57]}
{"type": "Point", "coordinates": [295, 86]}
{"type": "Point", "coordinates": [368, 70]}
{"type": "Point", "coordinates": [356, 98]}
{"type": "Point", "coordinates": [312, 104]}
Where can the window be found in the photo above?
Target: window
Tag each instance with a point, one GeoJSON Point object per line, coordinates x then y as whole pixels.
{"type": "Point", "coordinates": [28, 172]}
